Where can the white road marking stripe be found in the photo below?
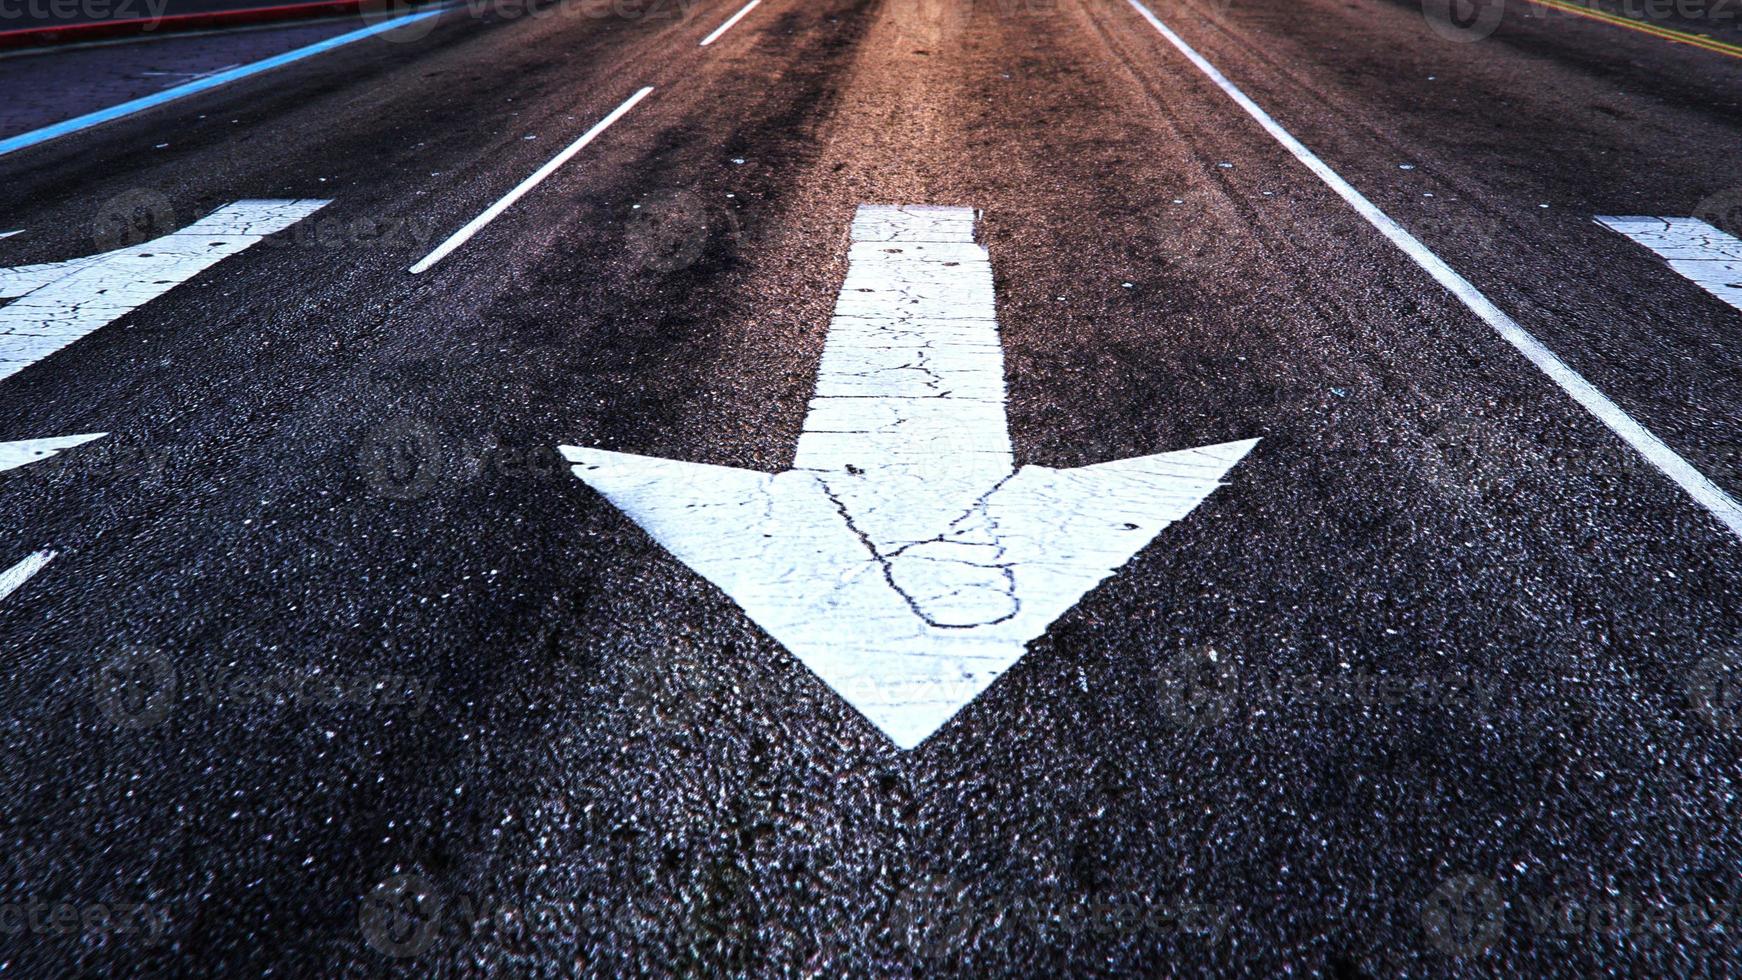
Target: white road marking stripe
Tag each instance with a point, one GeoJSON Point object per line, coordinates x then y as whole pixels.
{"type": "Point", "coordinates": [88, 120]}
{"type": "Point", "coordinates": [12, 456]}
{"type": "Point", "coordinates": [27, 451]}
{"type": "Point", "coordinates": [60, 302]}
{"type": "Point", "coordinates": [12, 579]}
{"type": "Point", "coordinates": [723, 28]}
{"type": "Point", "coordinates": [472, 227]}
{"type": "Point", "coordinates": [1703, 254]}
{"type": "Point", "coordinates": [1704, 492]}
{"type": "Point", "coordinates": [9, 234]}
{"type": "Point", "coordinates": [904, 559]}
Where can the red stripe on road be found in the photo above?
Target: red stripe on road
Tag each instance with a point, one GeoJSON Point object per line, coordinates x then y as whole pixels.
{"type": "Point", "coordinates": [31, 37]}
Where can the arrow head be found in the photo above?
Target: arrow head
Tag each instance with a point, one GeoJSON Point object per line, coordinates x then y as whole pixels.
{"type": "Point", "coordinates": [911, 634]}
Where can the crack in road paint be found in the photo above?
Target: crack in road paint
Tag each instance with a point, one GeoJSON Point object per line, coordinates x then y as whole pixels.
{"type": "Point", "coordinates": [1702, 254]}
{"type": "Point", "coordinates": [55, 304]}
{"type": "Point", "coordinates": [887, 561]}
{"type": "Point", "coordinates": [903, 557]}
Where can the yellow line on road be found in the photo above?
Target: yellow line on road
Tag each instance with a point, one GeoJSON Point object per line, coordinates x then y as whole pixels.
{"type": "Point", "coordinates": [1667, 33]}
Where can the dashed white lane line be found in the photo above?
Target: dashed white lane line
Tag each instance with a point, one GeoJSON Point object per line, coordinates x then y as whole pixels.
{"type": "Point", "coordinates": [1703, 254]}
{"type": "Point", "coordinates": [472, 227]}
{"type": "Point", "coordinates": [723, 28]}
{"type": "Point", "coordinates": [60, 302]}
{"type": "Point", "coordinates": [1704, 492]}
{"type": "Point", "coordinates": [22, 453]}
{"type": "Point", "coordinates": [13, 579]}
{"type": "Point", "coordinates": [904, 558]}
{"type": "Point", "coordinates": [9, 234]}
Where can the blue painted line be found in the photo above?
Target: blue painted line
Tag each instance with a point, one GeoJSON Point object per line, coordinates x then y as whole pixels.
{"type": "Point", "coordinates": [88, 120]}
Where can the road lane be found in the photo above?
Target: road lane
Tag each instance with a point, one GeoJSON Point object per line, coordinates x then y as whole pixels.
{"type": "Point", "coordinates": [326, 464]}
{"type": "Point", "coordinates": [1699, 487]}
{"type": "Point", "coordinates": [489, 214]}
{"type": "Point", "coordinates": [1562, 112]}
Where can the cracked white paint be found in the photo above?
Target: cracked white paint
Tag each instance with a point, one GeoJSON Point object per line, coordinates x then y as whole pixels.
{"type": "Point", "coordinates": [13, 579]}
{"type": "Point", "coordinates": [904, 558]}
{"type": "Point", "coordinates": [55, 304]}
{"type": "Point", "coordinates": [1704, 255]}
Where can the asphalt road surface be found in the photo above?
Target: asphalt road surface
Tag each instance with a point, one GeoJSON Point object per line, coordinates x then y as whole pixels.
{"type": "Point", "coordinates": [321, 662]}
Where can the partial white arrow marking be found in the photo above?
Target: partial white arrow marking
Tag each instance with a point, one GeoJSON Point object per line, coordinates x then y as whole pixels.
{"type": "Point", "coordinates": [1703, 254]}
{"type": "Point", "coordinates": [1668, 462]}
{"type": "Point", "coordinates": [904, 558]}
{"type": "Point", "coordinates": [12, 579]}
{"type": "Point", "coordinates": [12, 456]}
{"type": "Point", "coordinates": [16, 454]}
{"type": "Point", "coordinates": [59, 302]}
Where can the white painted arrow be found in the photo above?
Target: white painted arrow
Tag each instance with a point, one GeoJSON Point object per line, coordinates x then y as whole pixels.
{"type": "Point", "coordinates": [1706, 256]}
{"type": "Point", "coordinates": [16, 454]}
{"type": "Point", "coordinates": [13, 579]}
{"type": "Point", "coordinates": [21, 453]}
{"type": "Point", "coordinates": [904, 558]}
{"type": "Point", "coordinates": [57, 303]}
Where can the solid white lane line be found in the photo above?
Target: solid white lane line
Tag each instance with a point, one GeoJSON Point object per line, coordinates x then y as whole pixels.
{"type": "Point", "coordinates": [723, 28]}
{"type": "Point", "coordinates": [12, 579]}
{"type": "Point", "coordinates": [60, 302]}
{"type": "Point", "coordinates": [1703, 254]}
{"type": "Point", "coordinates": [904, 558]}
{"type": "Point", "coordinates": [1704, 492]}
{"type": "Point", "coordinates": [472, 227]}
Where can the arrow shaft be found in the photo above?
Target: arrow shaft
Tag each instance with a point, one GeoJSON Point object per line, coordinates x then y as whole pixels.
{"type": "Point", "coordinates": [911, 385]}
